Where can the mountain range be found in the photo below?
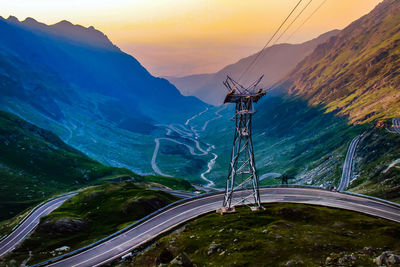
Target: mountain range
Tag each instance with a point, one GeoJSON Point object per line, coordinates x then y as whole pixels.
{"type": "Point", "coordinates": [73, 81]}
{"type": "Point", "coordinates": [275, 63]}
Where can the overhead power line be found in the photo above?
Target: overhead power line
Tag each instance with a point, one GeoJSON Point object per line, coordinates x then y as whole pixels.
{"type": "Point", "coordinates": [269, 41]}
{"type": "Point", "coordinates": [306, 20]}
{"type": "Point", "coordinates": [298, 15]}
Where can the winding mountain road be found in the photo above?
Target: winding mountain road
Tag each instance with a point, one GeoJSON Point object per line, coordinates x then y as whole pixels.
{"type": "Point", "coordinates": [396, 125]}
{"type": "Point", "coordinates": [30, 222]}
{"type": "Point", "coordinates": [348, 165]}
{"type": "Point", "coordinates": [176, 215]}
{"type": "Point", "coordinates": [191, 135]}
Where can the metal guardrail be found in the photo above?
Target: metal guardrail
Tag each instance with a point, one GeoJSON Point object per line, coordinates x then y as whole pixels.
{"type": "Point", "coordinates": [129, 227]}
{"type": "Point", "coordinates": [33, 210]}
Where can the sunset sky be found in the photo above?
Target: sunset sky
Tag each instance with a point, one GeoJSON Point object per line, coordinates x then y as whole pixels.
{"type": "Point", "coordinates": [181, 37]}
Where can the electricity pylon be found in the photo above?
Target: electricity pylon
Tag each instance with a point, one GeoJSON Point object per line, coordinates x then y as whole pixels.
{"type": "Point", "coordinates": [242, 181]}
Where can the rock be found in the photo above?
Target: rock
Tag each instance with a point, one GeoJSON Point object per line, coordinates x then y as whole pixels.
{"type": "Point", "coordinates": [346, 259]}
{"type": "Point", "coordinates": [214, 247]}
{"type": "Point", "coordinates": [165, 256]}
{"type": "Point", "coordinates": [63, 249]}
{"type": "Point", "coordinates": [222, 253]}
{"type": "Point", "coordinates": [292, 263]}
{"type": "Point", "coordinates": [368, 250]}
{"type": "Point", "coordinates": [393, 259]}
{"type": "Point", "coordinates": [182, 260]}
{"type": "Point", "coordinates": [328, 261]}
{"type": "Point", "coordinates": [387, 258]}
{"type": "Point", "coordinates": [62, 226]}
{"type": "Point", "coordinates": [265, 231]}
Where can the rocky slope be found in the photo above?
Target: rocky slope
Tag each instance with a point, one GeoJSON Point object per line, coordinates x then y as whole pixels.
{"type": "Point", "coordinates": [276, 62]}
{"type": "Point", "coordinates": [357, 72]}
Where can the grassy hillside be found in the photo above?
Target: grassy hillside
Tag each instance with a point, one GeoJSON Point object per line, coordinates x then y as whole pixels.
{"type": "Point", "coordinates": [291, 138]}
{"type": "Point", "coordinates": [281, 235]}
{"type": "Point", "coordinates": [356, 73]}
{"type": "Point", "coordinates": [88, 217]}
{"type": "Point", "coordinates": [377, 165]}
{"type": "Point", "coordinates": [170, 182]}
{"type": "Point", "coordinates": [35, 164]}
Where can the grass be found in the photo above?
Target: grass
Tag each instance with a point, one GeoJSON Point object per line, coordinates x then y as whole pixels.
{"type": "Point", "coordinates": [89, 216]}
{"type": "Point", "coordinates": [301, 234]}
{"type": "Point", "coordinates": [170, 182]}
{"type": "Point", "coordinates": [35, 164]}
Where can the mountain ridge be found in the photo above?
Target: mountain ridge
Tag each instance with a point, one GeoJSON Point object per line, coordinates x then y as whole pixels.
{"type": "Point", "coordinates": [276, 62]}
{"type": "Point", "coordinates": [355, 73]}
{"type": "Point", "coordinates": [67, 30]}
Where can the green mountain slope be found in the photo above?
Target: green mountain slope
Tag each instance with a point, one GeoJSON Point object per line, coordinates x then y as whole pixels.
{"type": "Point", "coordinates": [35, 163]}
{"type": "Point", "coordinates": [87, 217]}
{"type": "Point", "coordinates": [281, 235]}
{"type": "Point", "coordinates": [357, 72]}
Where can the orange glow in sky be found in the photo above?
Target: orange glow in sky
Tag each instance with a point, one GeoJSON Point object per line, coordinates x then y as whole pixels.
{"type": "Point", "coordinates": [181, 37]}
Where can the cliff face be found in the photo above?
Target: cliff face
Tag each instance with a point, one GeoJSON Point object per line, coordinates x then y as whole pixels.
{"type": "Point", "coordinates": [357, 72]}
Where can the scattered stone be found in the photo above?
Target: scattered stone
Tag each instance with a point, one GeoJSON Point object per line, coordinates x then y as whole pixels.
{"type": "Point", "coordinates": [220, 231]}
{"type": "Point", "coordinates": [368, 250]}
{"type": "Point", "coordinates": [235, 240]}
{"type": "Point", "coordinates": [214, 247]}
{"type": "Point", "coordinates": [347, 259]}
{"type": "Point", "coordinates": [192, 236]}
{"type": "Point", "coordinates": [265, 231]}
{"type": "Point", "coordinates": [222, 253]}
{"type": "Point", "coordinates": [182, 260]}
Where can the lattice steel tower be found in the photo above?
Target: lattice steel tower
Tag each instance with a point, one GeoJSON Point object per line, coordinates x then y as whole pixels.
{"type": "Point", "coordinates": [242, 181]}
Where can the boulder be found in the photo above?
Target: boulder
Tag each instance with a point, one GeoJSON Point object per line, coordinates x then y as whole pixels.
{"type": "Point", "coordinates": [62, 226]}
{"type": "Point", "coordinates": [387, 258]}
{"type": "Point", "coordinates": [182, 260]}
{"type": "Point", "coordinates": [214, 247]}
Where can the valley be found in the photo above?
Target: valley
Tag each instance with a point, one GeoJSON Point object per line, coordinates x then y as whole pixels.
{"type": "Point", "coordinates": [104, 163]}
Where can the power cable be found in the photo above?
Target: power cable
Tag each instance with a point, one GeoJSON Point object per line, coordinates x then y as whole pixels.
{"type": "Point", "coordinates": [269, 41]}
{"type": "Point", "coordinates": [287, 28]}
{"type": "Point", "coordinates": [306, 20]}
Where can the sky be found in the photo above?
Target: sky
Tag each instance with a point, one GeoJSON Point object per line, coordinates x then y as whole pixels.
{"type": "Point", "coordinates": [184, 37]}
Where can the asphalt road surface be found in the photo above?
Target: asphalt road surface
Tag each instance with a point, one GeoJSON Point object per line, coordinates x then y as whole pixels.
{"type": "Point", "coordinates": [176, 215]}
{"type": "Point", "coordinates": [396, 125]}
{"type": "Point", "coordinates": [348, 165]}
{"type": "Point", "coordinates": [13, 239]}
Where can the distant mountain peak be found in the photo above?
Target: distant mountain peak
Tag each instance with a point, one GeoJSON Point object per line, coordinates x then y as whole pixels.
{"type": "Point", "coordinates": [30, 20]}
{"type": "Point", "coordinates": [12, 19]}
{"type": "Point", "coordinates": [65, 29]}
